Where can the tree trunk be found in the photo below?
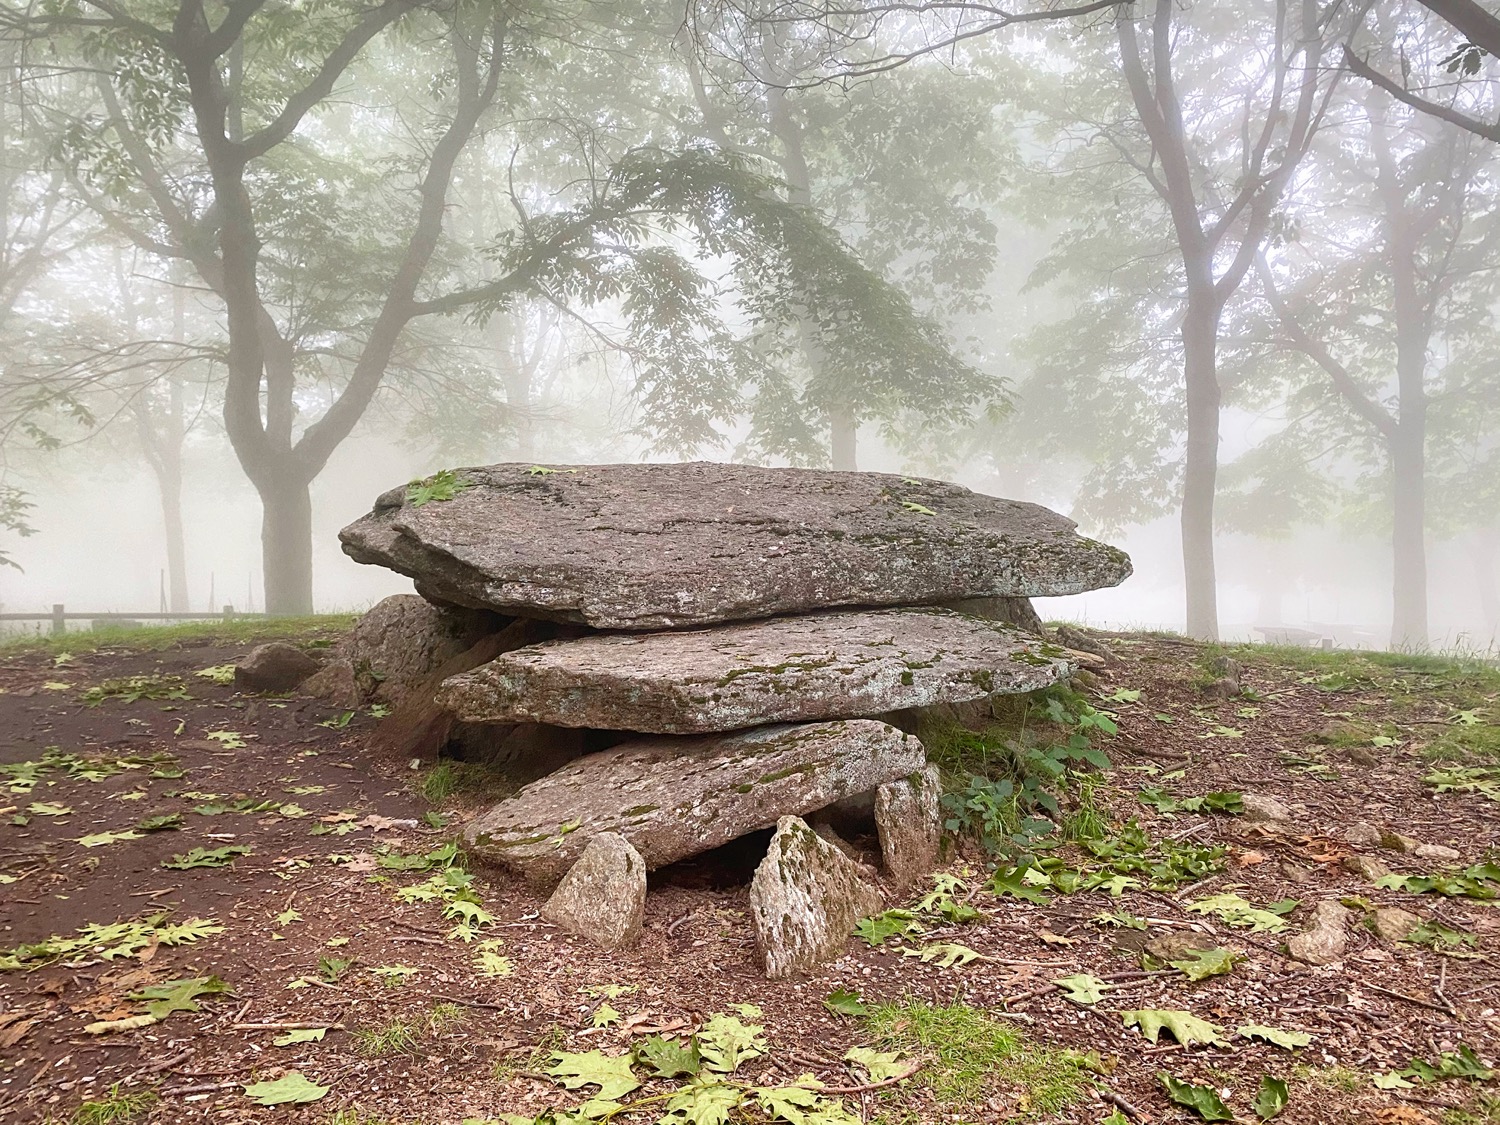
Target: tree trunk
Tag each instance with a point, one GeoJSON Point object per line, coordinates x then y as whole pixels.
{"type": "Point", "coordinates": [286, 544]}
{"type": "Point", "coordinates": [1482, 550]}
{"type": "Point", "coordinates": [1200, 330]}
{"type": "Point", "coordinates": [1408, 442]}
{"type": "Point", "coordinates": [170, 484]}
{"type": "Point", "coordinates": [515, 378]}
{"type": "Point", "coordinates": [842, 432]}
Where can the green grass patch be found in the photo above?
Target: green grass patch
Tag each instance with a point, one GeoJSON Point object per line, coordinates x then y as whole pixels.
{"type": "Point", "coordinates": [395, 1038]}
{"type": "Point", "coordinates": [438, 783]}
{"type": "Point", "coordinates": [1407, 678]}
{"type": "Point", "coordinates": [975, 1057]}
{"type": "Point", "coordinates": [114, 1106]}
{"type": "Point", "coordinates": [315, 630]}
{"type": "Point", "coordinates": [1478, 744]}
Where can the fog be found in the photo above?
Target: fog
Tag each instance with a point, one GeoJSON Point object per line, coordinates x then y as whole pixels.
{"type": "Point", "coordinates": [1219, 281]}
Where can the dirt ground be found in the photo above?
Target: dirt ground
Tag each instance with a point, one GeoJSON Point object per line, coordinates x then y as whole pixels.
{"type": "Point", "coordinates": [308, 928]}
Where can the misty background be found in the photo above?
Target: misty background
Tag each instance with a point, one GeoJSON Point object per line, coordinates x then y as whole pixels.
{"type": "Point", "coordinates": [1195, 274]}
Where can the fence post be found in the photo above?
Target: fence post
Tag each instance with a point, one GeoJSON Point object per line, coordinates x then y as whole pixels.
{"type": "Point", "coordinates": [229, 613]}
{"type": "Point", "coordinates": [59, 622]}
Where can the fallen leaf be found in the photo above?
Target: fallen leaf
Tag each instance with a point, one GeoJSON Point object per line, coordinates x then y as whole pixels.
{"type": "Point", "coordinates": [290, 1089]}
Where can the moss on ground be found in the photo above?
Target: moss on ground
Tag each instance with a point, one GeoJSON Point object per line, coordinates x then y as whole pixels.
{"type": "Point", "coordinates": [975, 1057]}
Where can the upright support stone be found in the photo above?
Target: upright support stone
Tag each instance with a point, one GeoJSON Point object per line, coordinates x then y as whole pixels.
{"type": "Point", "coordinates": [805, 900]}
{"type": "Point", "coordinates": [603, 895]}
{"type": "Point", "coordinates": [910, 825]}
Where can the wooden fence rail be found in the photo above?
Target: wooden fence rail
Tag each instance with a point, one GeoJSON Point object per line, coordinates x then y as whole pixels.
{"type": "Point", "coordinates": [60, 616]}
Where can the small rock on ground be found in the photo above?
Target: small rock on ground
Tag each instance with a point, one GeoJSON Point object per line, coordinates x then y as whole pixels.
{"type": "Point", "coordinates": [1326, 936]}
{"type": "Point", "coordinates": [1391, 923]}
{"type": "Point", "coordinates": [1362, 834]}
{"type": "Point", "coordinates": [335, 684]}
{"type": "Point", "coordinates": [603, 895]}
{"type": "Point", "coordinates": [1440, 853]}
{"type": "Point", "coordinates": [277, 666]}
{"type": "Point", "coordinates": [1259, 808]}
{"type": "Point", "coordinates": [910, 824]}
{"type": "Point", "coordinates": [805, 900]}
{"type": "Point", "coordinates": [1367, 867]}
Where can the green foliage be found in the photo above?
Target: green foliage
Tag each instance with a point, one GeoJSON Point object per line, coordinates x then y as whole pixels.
{"type": "Point", "coordinates": [1484, 780]}
{"type": "Point", "coordinates": [13, 518]}
{"type": "Point", "coordinates": [1287, 1040]}
{"type": "Point", "coordinates": [1237, 911]}
{"type": "Point", "coordinates": [845, 1002]}
{"type": "Point", "coordinates": [1083, 988]}
{"type": "Point", "coordinates": [441, 486]}
{"type": "Point", "coordinates": [1014, 804]}
{"type": "Point", "coordinates": [1200, 964]}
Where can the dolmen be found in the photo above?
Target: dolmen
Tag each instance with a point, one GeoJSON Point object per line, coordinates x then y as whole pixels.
{"type": "Point", "coordinates": [675, 656]}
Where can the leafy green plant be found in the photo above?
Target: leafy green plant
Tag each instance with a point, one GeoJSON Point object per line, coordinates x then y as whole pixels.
{"type": "Point", "coordinates": [1016, 813]}
{"type": "Point", "coordinates": [441, 486]}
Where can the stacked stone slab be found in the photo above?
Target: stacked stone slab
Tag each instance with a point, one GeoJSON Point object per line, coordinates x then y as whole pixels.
{"type": "Point", "coordinates": [746, 638]}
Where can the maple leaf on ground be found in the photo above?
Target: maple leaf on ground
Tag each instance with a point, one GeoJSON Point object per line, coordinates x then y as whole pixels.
{"type": "Point", "coordinates": [879, 1065]}
{"type": "Point", "coordinates": [290, 1089]}
{"type": "Point", "coordinates": [1288, 1040]}
{"type": "Point", "coordinates": [1271, 1098]}
{"type": "Point", "coordinates": [1200, 964]}
{"type": "Point", "coordinates": [1083, 988]}
{"type": "Point", "coordinates": [611, 1073]}
{"type": "Point", "coordinates": [725, 1043]}
{"type": "Point", "coordinates": [1202, 1100]}
{"type": "Point", "coordinates": [1185, 1027]}
{"type": "Point", "coordinates": [178, 995]}
{"type": "Point", "coordinates": [668, 1059]}
{"type": "Point", "coordinates": [300, 1035]}
{"type": "Point", "coordinates": [843, 1002]}
{"type": "Point", "coordinates": [705, 1102]}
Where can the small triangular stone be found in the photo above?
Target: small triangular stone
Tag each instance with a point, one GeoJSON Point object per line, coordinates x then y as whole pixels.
{"type": "Point", "coordinates": [603, 895]}
{"type": "Point", "coordinates": [910, 824]}
{"type": "Point", "coordinates": [805, 900]}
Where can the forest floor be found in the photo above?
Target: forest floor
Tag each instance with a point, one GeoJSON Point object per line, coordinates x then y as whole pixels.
{"type": "Point", "coordinates": [308, 940]}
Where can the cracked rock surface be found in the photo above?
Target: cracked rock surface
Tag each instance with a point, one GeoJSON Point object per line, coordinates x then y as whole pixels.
{"type": "Point", "coordinates": [676, 797]}
{"type": "Point", "coordinates": [827, 666]}
{"type": "Point", "coordinates": [678, 545]}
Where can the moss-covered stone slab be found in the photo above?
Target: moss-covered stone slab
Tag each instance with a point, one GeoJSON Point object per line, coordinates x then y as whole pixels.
{"type": "Point", "coordinates": [839, 665]}
{"type": "Point", "coordinates": [674, 546]}
{"type": "Point", "coordinates": [676, 797]}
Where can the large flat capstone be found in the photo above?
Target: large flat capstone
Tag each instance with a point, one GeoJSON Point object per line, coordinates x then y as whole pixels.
{"type": "Point", "coordinates": [671, 546]}
{"type": "Point", "coordinates": [676, 797]}
{"type": "Point", "coordinates": [786, 669]}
